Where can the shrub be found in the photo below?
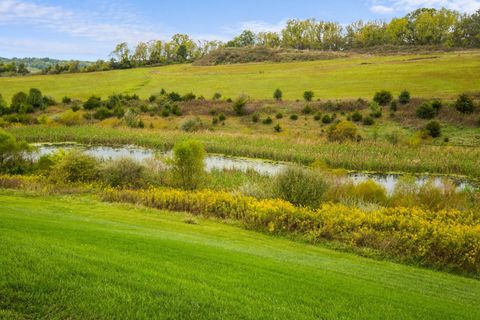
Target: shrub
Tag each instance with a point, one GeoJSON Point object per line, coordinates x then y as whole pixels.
{"type": "Point", "coordinates": [279, 115]}
{"type": "Point", "coordinates": [317, 117]}
{"type": "Point", "coordinates": [113, 101]}
{"type": "Point", "coordinates": [375, 109]}
{"type": "Point", "coordinates": [307, 110]}
{"type": "Point", "coordinates": [222, 117]}
{"type": "Point", "coordinates": [277, 95]}
{"type": "Point", "coordinates": [3, 106]}
{"type": "Point", "coordinates": [393, 106]}
{"type": "Point", "coordinates": [18, 100]}
{"type": "Point", "coordinates": [255, 117]}
{"type": "Point", "coordinates": [464, 104]}
{"type": "Point", "coordinates": [383, 97]}
{"type": "Point", "coordinates": [404, 97]}
{"type": "Point", "coordinates": [102, 113]}
{"type": "Point", "coordinates": [189, 97]}
{"type": "Point", "coordinates": [131, 118]}
{"type": "Point", "coordinates": [342, 131]}
{"type": "Point", "coordinates": [294, 117]}
{"type": "Point", "coordinates": [300, 186]}
{"type": "Point", "coordinates": [173, 96]}
{"type": "Point", "coordinates": [48, 101]}
{"type": "Point", "coordinates": [368, 121]}
{"type": "Point", "coordinates": [176, 110]}
{"type": "Point", "coordinates": [426, 111]}
{"type": "Point", "coordinates": [93, 102]}
{"type": "Point", "coordinates": [74, 166]}
{"type": "Point", "coordinates": [188, 164]}
{"type": "Point", "coordinates": [192, 125]}
{"type": "Point", "coordinates": [71, 118]}
{"type": "Point", "coordinates": [433, 129]}
{"type": "Point", "coordinates": [308, 95]}
{"type": "Point", "coordinates": [35, 98]}
{"type": "Point", "coordinates": [239, 105]}
{"type": "Point", "coordinates": [357, 116]}
{"type": "Point", "coordinates": [66, 100]}
{"type": "Point", "coordinates": [437, 106]}
{"type": "Point", "coordinates": [12, 153]}
{"type": "Point", "coordinates": [277, 128]}
{"type": "Point", "coordinates": [123, 172]}
{"type": "Point", "coordinates": [267, 120]}
{"type": "Point", "coordinates": [370, 191]}
{"type": "Point", "coordinates": [217, 96]}
{"type": "Point", "coordinates": [327, 119]}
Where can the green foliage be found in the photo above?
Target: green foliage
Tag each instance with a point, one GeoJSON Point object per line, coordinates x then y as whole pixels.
{"type": "Point", "coordinates": [277, 128]}
{"type": "Point", "coordinates": [308, 95]}
{"type": "Point", "coordinates": [267, 120]}
{"type": "Point", "coordinates": [404, 97]}
{"type": "Point", "coordinates": [103, 113]}
{"type": "Point", "coordinates": [357, 116]}
{"type": "Point", "coordinates": [12, 153]}
{"type": "Point", "coordinates": [437, 105]}
{"type": "Point", "coordinates": [217, 96]}
{"type": "Point", "coordinates": [294, 117]}
{"type": "Point", "coordinates": [383, 97]}
{"type": "Point", "coordinates": [132, 118]}
{"type": "Point", "coordinates": [279, 115]}
{"type": "Point", "coordinates": [370, 191]}
{"type": "Point", "coordinates": [326, 119]}
{"type": "Point", "coordinates": [255, 117]}
{"type": "Point", "coordinates": [426, 111]}
{"type": "Point", "coordinates": [192, 125]}
{"type": "Point", "coordinates": [368, 121]}
{"type": "Point", "coordinates": [300, 186]}
{"type": "Point", "coordinates": [71, 118]}
{"type": "Point", "coordinates": [375, 109]}
{"type": "Point", "coordinates": [93, 102]}
{"type": "Point", "coordinates": [74, 166]}
{"type": "Point", "coordinates": [222, 117]}
{"type": "Point", "coordinates": [277, 95]}
{"type": "Point", "coordinates": [307, 110]}
{"type": "Point", "coordinates": [123, 172]}
{"type": "Point", "coordinates": [342, 131]}
{"type": "Point", "coordinates": [35, 98]}
{"type": "Point", "coordinates": [433, 128]}
{"type": "Point", "coordinates": [239, 105]}
{"type": "Point", "coordinates": [18, 101]}
{"type": "Point", "coordinates": [3, 106]}
{"type": "Point", "coordinates": [66, 100]}
{"type": "Point", "coordinates": [188, 164]}
{"type": "Point", "coordinates": [464, 104]}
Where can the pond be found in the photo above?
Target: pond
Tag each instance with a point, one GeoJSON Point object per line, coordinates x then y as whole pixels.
{"type": "Point", "coordinates": [221, 162]}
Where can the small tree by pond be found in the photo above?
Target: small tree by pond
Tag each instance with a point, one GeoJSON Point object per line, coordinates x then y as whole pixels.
{"type": "Point", "coordinates": [12, 153]}
{"type": "Point", "coordinates": [188, 164]}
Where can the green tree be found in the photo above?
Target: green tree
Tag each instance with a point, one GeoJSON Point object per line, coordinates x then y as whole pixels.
{"type": "Point", "coordinates": [188, 164]}
{"type": "Point", "coordinates": [12, 153]}
{"type": "Point", "coordinates": [277, 94]}
{"type": "Point", "coordinates": [35, 98]}
{"type": "Point", "coordinates": [19, 99]}
{"type": "Point", "coordinates": [308, 95]}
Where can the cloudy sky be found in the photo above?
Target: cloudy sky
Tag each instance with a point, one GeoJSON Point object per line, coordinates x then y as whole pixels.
{"type": "Point", "coordinates": [89, 29]}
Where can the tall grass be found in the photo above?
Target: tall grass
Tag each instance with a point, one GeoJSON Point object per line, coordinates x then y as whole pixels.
{"type": "Point", "coordinates": [368, 155]}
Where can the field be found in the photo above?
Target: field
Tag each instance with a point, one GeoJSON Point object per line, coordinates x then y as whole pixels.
{"type": "Point", "coordinates": [435, 75]}
{"type": "Point", "coordinates": [74, 257]}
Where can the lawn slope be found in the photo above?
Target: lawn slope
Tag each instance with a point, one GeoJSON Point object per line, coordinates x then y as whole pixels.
{"type": "Point", "coordinates": [78, 258]}
{"type": "Point", "coordinates": [433, 75]}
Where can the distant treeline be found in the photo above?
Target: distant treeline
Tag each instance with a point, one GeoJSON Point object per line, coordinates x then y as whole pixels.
{"type": "Point", "coordinates": [422, 27]}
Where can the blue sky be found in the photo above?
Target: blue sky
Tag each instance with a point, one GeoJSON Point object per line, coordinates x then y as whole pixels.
{"type": "Point", "coordinates": [89, 29]}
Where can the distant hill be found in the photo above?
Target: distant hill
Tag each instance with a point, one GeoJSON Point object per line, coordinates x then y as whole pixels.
{"type": "Point", "coordinates": [40, 64]}
{"type": "Point", "coordinates": [261, 54]}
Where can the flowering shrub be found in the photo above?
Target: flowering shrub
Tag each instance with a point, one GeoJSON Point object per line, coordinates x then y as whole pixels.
{"type": "Point", "coordinates": [448, 239]}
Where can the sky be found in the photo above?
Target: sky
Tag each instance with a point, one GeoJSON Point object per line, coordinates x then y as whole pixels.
{"type": "Point", "coordinates": [89, 29]}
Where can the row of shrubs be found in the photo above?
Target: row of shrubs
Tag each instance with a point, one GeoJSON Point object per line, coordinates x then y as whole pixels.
{"type": "Point", "coordinates": [446, 239]}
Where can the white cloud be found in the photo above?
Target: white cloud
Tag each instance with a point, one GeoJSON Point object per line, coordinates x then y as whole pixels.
{"type": "Point", "coordinates": [381, 9]}
{"type": "Point", "coordinates": [107, 26]}
{"type": "Point", "coordinates": [390, 6]}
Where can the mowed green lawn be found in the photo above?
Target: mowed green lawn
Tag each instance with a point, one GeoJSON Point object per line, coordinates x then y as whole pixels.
{"type": "Point", "coordinates": [434, 75]}
{"type": "Point", "coordinates": [76, 258]}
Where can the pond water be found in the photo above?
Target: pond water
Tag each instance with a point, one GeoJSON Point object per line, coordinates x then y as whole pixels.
{"type": "Point", "coordinates": [220, 162]}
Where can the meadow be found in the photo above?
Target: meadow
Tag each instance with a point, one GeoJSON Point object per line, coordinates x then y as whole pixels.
{"type": "Point", "coordinates": [440, 75]}
{"type": "Point", "coordinates": [130, 262]}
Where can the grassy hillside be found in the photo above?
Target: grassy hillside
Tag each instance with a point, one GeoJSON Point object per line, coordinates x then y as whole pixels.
{"type": "Point", "coordinates": [439, 75]}
{"type": "Point", "coordinates": [79, 258]}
